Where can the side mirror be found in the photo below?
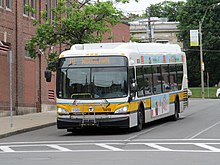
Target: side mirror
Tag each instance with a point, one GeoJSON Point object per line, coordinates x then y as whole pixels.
{"type": "Point", "coordinates": [48, 75]}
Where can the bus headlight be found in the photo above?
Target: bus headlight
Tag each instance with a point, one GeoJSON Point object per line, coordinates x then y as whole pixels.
{"type": "Point", "coordinates": [62, 111]}
{"type": "Point", "coordinates": [122, 109]}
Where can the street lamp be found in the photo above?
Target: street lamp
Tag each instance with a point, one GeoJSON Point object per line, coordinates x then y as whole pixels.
{"type": "Point", "coordinates": [201, 52]}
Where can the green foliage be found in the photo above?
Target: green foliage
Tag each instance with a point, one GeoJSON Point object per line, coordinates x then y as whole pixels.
{"type": "Point", "coordinates": [190, 15]}
{"type": "Point", "coordinates": [73, 23]}
{"type": "Point", "coordinates": [165, 9]}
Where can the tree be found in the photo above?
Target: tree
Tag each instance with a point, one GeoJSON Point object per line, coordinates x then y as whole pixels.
{"type": "Point", "coordinates": [165, 9]}
{"type": "Point", "coordinates": [74, 22]}
{"type": "Point", "coordinates": [190, 15]}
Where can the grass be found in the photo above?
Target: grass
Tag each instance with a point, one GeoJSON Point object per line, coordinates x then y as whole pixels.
{"type": "Point", "coordinates": [209, 92]}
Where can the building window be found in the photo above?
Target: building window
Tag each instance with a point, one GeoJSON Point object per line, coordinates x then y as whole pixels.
{"type": "Point", "coordinates": [48, 9]}
{"type": "Point", "coordinates": [9, 4]}
{"type": "Point", "coordinates": [54, 5]}
{"type": "Point", "coordinates": [1, 3]}
{"type": "Point", "coordinates": [33, 6]}
{"type": "Point", "coordinates": [27, 54]}
{"type": "Point", "coordinates": [26, 4]}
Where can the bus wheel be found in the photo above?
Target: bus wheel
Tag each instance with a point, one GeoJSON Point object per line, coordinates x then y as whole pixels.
{"type": "Point", "coordinates": [175, 117]}
{"type": "Point", "coordinates": [140, 121]}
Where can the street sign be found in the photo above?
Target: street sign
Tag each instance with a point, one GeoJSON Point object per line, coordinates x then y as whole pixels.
{"type": "Point", "coordinates": [194, 38]}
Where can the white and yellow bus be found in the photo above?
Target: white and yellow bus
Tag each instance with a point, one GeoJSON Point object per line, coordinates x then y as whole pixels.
{"type": "Point", "coordinates": [120, 84]}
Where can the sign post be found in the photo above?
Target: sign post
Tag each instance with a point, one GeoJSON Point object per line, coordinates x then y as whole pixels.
{"type": "Point", "coordinates": [11, 112]}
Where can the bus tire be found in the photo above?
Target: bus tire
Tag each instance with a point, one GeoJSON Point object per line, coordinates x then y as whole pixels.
{"type": "Point", "coordinates": [175, 117]}
{"type": "Point", "coordinates": [140, 120]}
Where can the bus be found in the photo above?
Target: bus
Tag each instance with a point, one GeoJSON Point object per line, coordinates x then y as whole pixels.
{"type": "Point", "coordinates": [122, 85]}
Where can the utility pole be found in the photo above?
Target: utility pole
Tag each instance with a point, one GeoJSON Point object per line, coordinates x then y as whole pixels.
{"type": "Point", "coordinates": [201, 51]}
{"type": "Point", "coordinates": [149, 26]}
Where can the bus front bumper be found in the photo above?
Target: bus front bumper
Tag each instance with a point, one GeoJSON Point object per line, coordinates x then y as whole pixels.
{"type": "Point", "coordinates": [70, 122]}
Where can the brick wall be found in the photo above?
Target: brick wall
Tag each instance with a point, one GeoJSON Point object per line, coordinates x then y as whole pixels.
{"type": "Point", "coordinates": [27, 78]}
{"type": "Point", "coordinates": [25, 70]}
{"type": "Point", "coordinates": [118, 33]}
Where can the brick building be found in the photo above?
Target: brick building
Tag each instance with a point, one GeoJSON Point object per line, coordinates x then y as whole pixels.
{"type": "Point", "coordinates": [30, 92]}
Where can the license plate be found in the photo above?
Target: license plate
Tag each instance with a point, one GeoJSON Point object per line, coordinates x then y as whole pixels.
{"type": "Point", "coordinates": [76, 110]}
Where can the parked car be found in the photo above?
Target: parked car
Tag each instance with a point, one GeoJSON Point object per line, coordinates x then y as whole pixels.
{"type": "Point", "coordinates": [218, 93]}
{"type": "Point", "coordinates": [189, 93]}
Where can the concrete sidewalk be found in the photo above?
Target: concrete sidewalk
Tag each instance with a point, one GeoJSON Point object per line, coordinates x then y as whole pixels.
{"type": "Point", "coordinates": [24, 123]}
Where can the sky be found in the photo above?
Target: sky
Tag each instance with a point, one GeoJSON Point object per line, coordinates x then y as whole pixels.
{"type": "Point", "coordinates": [139, 7]}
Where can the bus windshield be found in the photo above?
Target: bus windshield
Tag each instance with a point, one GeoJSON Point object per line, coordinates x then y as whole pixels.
{"type": "Point", "coordinates": [92, 82]}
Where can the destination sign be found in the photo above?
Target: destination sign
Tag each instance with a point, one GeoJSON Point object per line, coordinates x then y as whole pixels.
{"type": "Point", "coordinates": [93, 61]}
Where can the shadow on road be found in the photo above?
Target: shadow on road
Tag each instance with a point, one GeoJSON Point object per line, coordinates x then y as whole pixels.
{"type": "Point", "coordinates": [97, 131]}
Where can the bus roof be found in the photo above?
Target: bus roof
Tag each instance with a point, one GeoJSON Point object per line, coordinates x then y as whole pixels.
{"type": "Point", "coordinates": [118, 47]}
{"type": "Point", "coordinates": [137, 53]}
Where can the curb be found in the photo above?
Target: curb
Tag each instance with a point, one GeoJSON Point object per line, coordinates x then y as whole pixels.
{"type": "Point", "coordinates": [26, 130]}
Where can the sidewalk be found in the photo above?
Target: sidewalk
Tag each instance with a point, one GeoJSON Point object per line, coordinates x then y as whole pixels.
{"type": "Point", "coordinates": [24, 123]}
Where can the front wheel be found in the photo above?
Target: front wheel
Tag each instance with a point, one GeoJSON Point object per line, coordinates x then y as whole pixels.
{"type": "Point", "coordinates": [140, 121]}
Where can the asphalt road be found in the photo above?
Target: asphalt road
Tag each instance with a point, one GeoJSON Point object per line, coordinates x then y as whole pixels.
{"type": "Point", "coordinates": [194, 139]}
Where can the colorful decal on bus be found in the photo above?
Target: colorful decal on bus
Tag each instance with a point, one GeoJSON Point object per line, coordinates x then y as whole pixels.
{"type": "Point", "coordinates": [160, 105]}
{"type": "Point", "coordinates": [146, 59]}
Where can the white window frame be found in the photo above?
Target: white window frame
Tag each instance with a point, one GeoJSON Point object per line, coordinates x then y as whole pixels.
{"type": "Point", "coordinates": [34, 6]}
{"type": "Point", "coordinates": [48, 9]}
{"type": "Point", "coordinates": [25, 12]}
{"type": "Point", "coordinates": [54, 5]}
{"type": "Point", "coordinates": [1, 3]}
{"type": "Point", "coordinates": [8, 5]}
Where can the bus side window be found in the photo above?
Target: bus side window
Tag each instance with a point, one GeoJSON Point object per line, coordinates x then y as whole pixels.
{"type": "Point", "coordinates": [140, 81]}
{"type": "Point", "coordinates": [157, 79]}
{"type": "Point", "coordinates": [179, 70]}
{"type": "Point", "coordinates": [173, 78]}
{"type": "Point", "coordinates": [148, 80]}
{"type": "Point", "coordinates": [165, 78]}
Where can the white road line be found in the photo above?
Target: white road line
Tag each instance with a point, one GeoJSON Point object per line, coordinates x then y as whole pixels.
{"type": "Point", "coordinates": [139, 134]}
{"type": "Point", "coordinates": [109, 147]}
{"type": "Point", "coordinates": [6, 149]}
{"type": "Point", "coordinates": [161, 148]}
{"type": "Point", "coordinates": [204, 130]}
{"type": "Point", "coordinates": [211, 148]}
{"type": "Point", "coordinates": [99, 140]}
{"type": "Point", "coordinates": [144, 132]}
{"type": "Point", "coordinates": [58, 147]}
{"type": "Point", "coordinates": [172, 140]}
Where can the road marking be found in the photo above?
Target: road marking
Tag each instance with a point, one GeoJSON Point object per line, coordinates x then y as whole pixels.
{"type": "Point", "coordinates": [109, 147]}
{"type": "Point", "coordinates": [100, 140]}
{"type": "Point", "coordinates": [204, 130]}
{"type": "Point", "coordinates": [211, 148]}
{"type": "Point", "coordinates": [6, 149]}
{"type": "Point", "coordinates": [144, 132]}
{"type": "Point", "coordinates": [59, 147]}
{"type": "Point", "coordinates": [208, 146]}
{"type": "Point", "coordinates": [161, 148]}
